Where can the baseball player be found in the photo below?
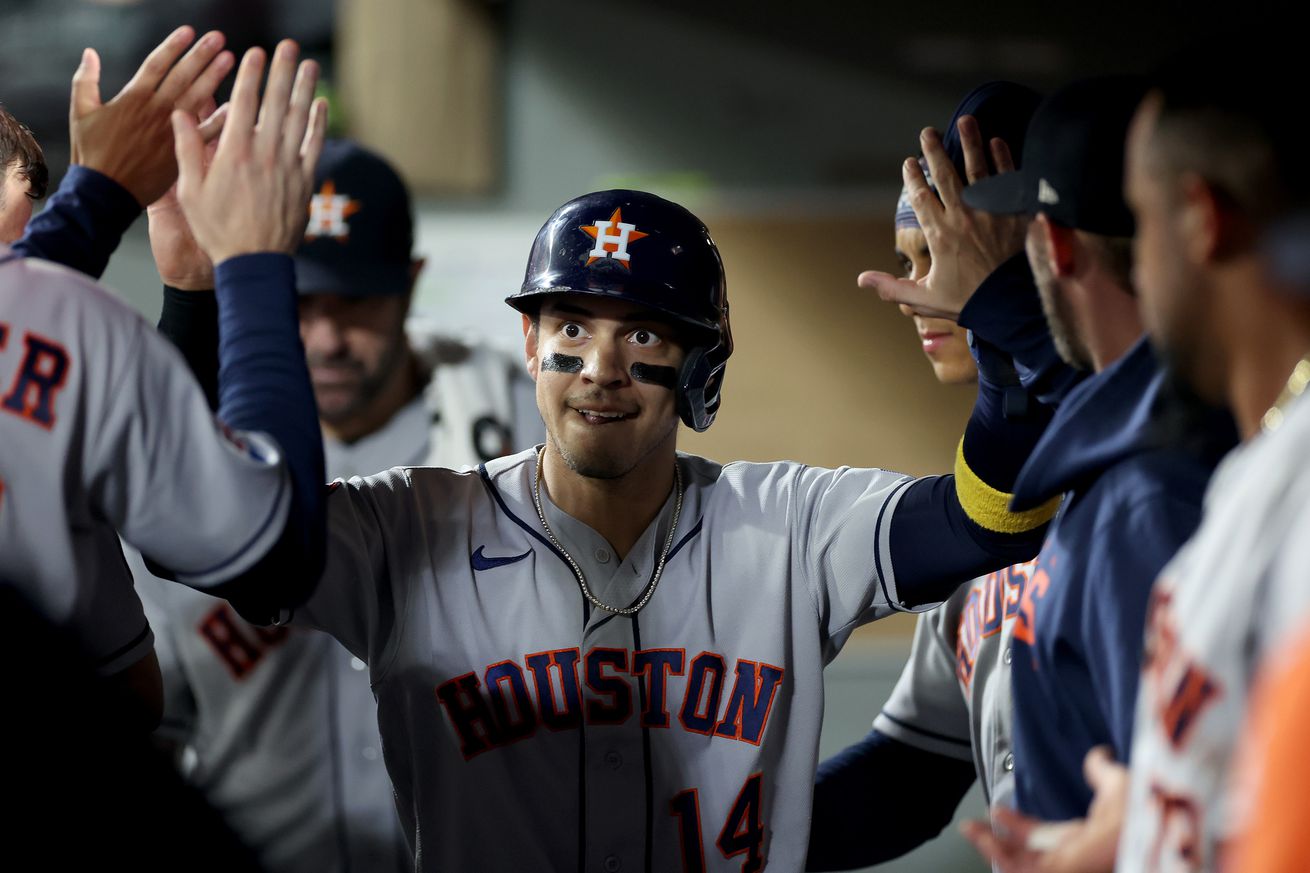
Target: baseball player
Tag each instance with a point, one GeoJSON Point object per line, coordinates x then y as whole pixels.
{"type": "Point", "coordinates": [1237, 590]}
{"type": "Point", "coordinates": [122, 156]}
{"type": "Point", "coordinates": [602, 654]}
{"type": "Point", "coordinates": [1133, 494]}
{"type": "Point", "coordinates": [278, 726]}
{"type": "Point", "coordinates": [1212, 164]}
{"type": "Point", "coordinates": [79, 450]}
{"type": "Point", "coordinates": [948, 718]}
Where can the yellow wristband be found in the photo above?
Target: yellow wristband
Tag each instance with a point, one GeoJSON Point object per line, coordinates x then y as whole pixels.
{"type": "Point", "coordinates": [990, 508]}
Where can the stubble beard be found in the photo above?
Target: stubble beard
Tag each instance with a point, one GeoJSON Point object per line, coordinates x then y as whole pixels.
{"type": "Point", "coordinates": [1059, 318]}
{"type": "Point", "coordinates": [606, 462]}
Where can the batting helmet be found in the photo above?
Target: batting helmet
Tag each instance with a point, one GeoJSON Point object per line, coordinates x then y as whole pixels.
{"type": "Point", "coordinates": [638, 247]}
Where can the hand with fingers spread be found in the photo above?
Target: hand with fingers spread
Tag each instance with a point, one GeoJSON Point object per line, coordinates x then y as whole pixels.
{"type": "Point", "coordinates": [254, 195]}
{"type": "Point", "coordinates": [130, 138]}
{"type": "Point", "coordinates": [1025, 845]}
{"type": "Point", "coordinates": [180, 260]}
{"type": "Point", "coordinates": [966, 245]}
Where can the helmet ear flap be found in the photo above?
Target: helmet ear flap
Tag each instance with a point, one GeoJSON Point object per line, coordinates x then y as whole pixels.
{"type": "Point", "coordinates": [700, 386]}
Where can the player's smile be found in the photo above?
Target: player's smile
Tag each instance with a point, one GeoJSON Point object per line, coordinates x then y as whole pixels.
{"type": "Point", "coordinates": [599, 411]}
{"type": "Point", "coordinates": [602, 417]}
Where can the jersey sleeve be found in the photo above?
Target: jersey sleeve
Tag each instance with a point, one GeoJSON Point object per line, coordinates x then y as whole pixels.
{"type": "Point", "coordinates": [840, 524]}
{"type": "Point", "coordinates": [926, 708]}
{"type": "Point", "coordinates": [372, 532]}
{"type": "Point", "coordinates": [205, 502]}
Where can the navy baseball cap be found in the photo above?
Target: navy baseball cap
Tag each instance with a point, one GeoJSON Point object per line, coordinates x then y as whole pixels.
{"type": "Point", "coordinates": [1073, 160]}
{"type": "Point", "coordinates": [1002, 109]}
{"type": "Point", "coordinates": [361, 230]}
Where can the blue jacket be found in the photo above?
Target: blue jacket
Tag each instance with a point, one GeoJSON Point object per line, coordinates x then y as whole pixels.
{"type": "Point", "coordinates": [1132, 497]}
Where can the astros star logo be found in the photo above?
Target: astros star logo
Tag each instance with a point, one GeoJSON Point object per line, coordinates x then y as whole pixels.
{"type": "Point", "coordinates": [328, 212]}
{"type": "Point", "coordinates": [612, 243]}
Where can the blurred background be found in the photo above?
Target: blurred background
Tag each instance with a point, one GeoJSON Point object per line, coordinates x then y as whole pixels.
{"type": "Point", "coordinates": [782, 125]}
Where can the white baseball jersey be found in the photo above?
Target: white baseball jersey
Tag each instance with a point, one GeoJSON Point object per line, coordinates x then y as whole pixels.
{"type": "Point", "coordinates": [1232, 594]}
{"type": "Point", "coordinates": [278, 726]}
{"type": "Point", "coordinates": [525, 731]}
{"type": "Point", "coordinates": [103, 427]}
{"type": "Point", "coordinates": [953, 697]}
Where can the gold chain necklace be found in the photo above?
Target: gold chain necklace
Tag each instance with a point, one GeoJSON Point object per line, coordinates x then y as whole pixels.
{"type": "Point", "coordinates": [577, 571]}
{"type": "Point", "coordinates": [1295, 387]}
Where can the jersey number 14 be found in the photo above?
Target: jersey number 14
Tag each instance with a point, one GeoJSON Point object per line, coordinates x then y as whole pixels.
{"type": "Point", "coordinates": [742, 833]}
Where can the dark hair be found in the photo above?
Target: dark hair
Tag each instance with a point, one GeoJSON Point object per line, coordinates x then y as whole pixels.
{"type": "Point", "coordinates": [17, 145]}
{"type": "Point", "coordinates": [1226, 114]}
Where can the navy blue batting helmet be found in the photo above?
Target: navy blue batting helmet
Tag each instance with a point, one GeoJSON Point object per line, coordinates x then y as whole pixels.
{"type": "Point", "coordinates": [635, 246]}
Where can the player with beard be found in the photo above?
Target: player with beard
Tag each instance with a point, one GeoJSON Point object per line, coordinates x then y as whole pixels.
{"type": "Point", "coordinates": [1131, 498]}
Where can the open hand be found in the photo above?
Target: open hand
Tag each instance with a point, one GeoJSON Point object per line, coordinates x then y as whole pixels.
{"type": "Point", "coordinates": [130, 138]}
{"type": "Point", "coordinates": [254, 195]}
{"type": "Point", "coordinates": [180, 260]}
{"type": "Point", "coordinates": [966, 245]}
{"type": "Point", "coordinates": [1019, 844]}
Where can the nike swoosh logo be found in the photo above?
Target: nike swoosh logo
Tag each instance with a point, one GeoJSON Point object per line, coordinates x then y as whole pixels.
{"type": "Point", "coordinates": [479, 561]}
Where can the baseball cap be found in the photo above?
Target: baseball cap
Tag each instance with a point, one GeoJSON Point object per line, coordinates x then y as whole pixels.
{"type": "Point", "coordinates": [1002, 109]}
{"type": "Point", "coordinates": [1073, 160]}
{"type": "Point", "coordinates": [361, 230]}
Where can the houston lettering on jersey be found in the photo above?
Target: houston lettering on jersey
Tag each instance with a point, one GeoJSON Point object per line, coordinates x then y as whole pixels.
{"type": "Point", "coordinates": [38, 380]}
{"type": "Point", "coordinates": [508, 702]}
{"type": "Point", "coordinates": [992, 601]}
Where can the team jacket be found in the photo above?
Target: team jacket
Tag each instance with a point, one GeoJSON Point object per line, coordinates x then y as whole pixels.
{"type": "Point", "coordinates": [1131, 501]}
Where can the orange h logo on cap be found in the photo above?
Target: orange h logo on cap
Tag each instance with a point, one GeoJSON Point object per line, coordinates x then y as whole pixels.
{"type": "Point", "coordinates": [612, 244]}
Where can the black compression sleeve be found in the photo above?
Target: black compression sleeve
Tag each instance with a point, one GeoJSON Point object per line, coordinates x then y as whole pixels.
{"type": "Point", "coordinates": [189, 320]}
{"type": "Point", "coordinates": [880, 798]}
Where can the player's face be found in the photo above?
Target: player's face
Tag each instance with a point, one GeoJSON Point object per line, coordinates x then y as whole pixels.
{"type": "Point", "coordinates": [1060, 317]}
{"type": "Point", "coordinates": [1173, 292]}
{"type": "Point", "coordinates": [944, 341]}
{"type": "Point", "coordinates": [603, 369]}
{"type": "Point", "coordinates": [354, 346]}
{"type": "Point", "coordinates": [15, 205]}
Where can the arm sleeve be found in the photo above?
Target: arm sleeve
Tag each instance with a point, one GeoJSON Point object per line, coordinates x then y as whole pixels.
{"type": "Point", "coordinates": [948, 530]}
{"type": "Point", "coordinates": [189, 319]}
{"type": "Point", "coordinates": [881, 786]}
{"type": "Point", "coordinates": [926, 709]}
{"type": "Point", "coordinates": [82, 223]}
{"type": "Point", "coordinates": [1119, 585]}
{"type": "Point", "coordinates": [1007, 312]}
